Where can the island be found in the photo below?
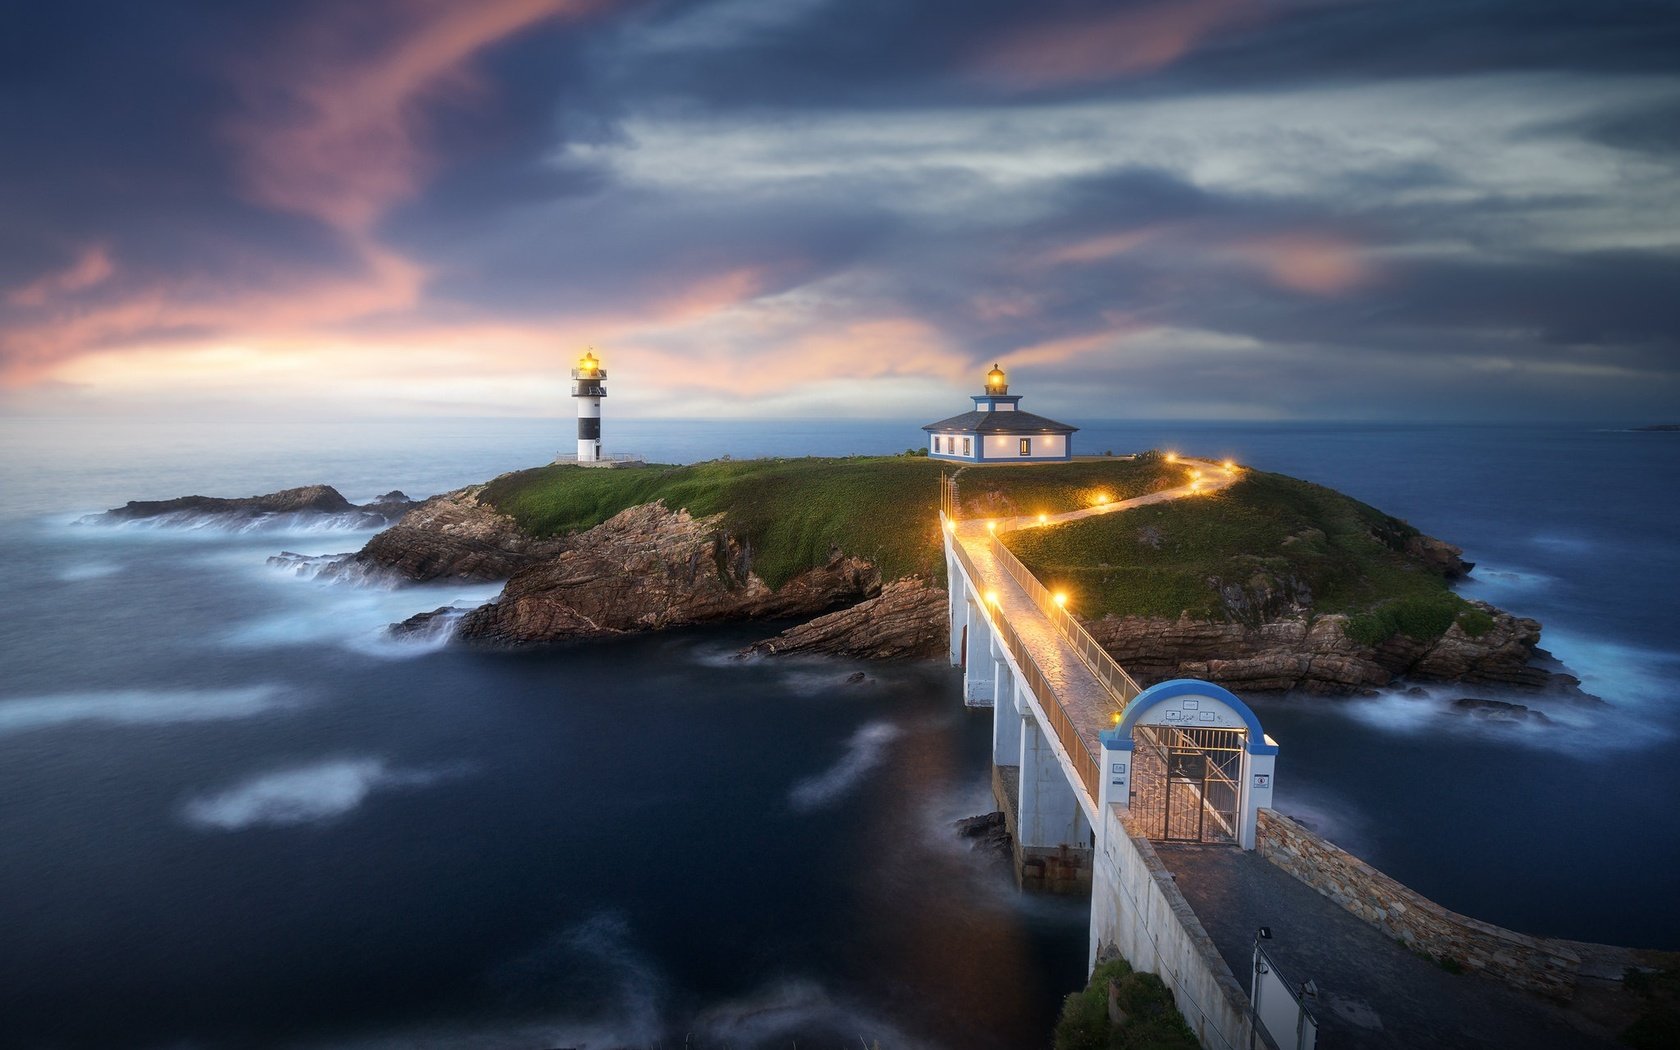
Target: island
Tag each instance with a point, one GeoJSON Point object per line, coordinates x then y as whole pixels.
{"type": "Point", "coordinates": [1268, 584]}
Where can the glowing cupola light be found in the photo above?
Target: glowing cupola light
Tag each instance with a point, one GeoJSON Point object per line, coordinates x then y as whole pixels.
{"type": "Point", "coordinates": [588, 389]}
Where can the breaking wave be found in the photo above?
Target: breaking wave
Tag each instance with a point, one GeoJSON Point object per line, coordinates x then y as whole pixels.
{"type": "Point", "coordinates": [138, 707]}
{"type": "Point", "coordinates": [302, 522]}
{"type": "Point", "coordinates": [864, 751]}
{"type": "Point", "coordinates": [304, 795]}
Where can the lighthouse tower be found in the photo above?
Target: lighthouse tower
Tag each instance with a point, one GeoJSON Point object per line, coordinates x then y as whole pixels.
{"type": "Point", "coordinates": [587, 387]}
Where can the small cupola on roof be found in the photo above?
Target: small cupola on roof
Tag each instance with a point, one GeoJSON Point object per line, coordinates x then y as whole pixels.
{"type": "Point", "coordinates": [997, 429]}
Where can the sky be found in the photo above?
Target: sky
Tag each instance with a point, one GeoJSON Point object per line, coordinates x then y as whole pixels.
{"type": "Point", "coordinates": [1169, 209]}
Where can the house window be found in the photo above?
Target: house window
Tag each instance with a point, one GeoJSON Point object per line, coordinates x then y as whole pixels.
{"type": "Point", "coordinates": [936, 443]}
{"type": "Point", "coordinates": [1026, 446]}
{"type": "Point", "coordinates": [967, 447]}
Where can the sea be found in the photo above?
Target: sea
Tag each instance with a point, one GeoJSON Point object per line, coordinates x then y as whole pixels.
{"type": "Point", "coordinates": [234, 813]}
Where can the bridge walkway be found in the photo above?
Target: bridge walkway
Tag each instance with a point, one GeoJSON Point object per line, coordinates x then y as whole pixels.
{"type": "Point", "coordinates": [1083, 699]}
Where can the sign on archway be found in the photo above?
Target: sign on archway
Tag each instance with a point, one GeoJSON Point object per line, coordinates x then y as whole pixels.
{"type": "Point", "coordinates": [1192, 764]}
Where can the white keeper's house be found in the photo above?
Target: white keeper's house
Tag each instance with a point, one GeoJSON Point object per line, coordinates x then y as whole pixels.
{"type": "Point", "coordinates": [998, 430]}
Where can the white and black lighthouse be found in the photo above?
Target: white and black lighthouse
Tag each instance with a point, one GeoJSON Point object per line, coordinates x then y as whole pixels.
{"type": "Point", "coordinates": [588, 388]}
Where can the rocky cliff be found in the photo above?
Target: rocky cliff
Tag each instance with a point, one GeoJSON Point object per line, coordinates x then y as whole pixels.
{"type": "Point", "coordinates": [649, 568]}
{"type": "Point", "coordinates": [1316, 655]}
{"type": "Point", "coordinates": [907, 620]}
{"type": "Point", "coordinates": [451, 537]}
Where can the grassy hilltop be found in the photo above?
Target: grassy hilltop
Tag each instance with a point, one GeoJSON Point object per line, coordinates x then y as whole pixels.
{"type": "Point", "coordinates": [1265, 531]}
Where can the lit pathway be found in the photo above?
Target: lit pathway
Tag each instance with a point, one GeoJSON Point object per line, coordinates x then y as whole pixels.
{"type": "Point", "coordinates": [1088, 703]}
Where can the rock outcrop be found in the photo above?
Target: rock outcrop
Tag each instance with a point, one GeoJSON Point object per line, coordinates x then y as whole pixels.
{"type": "Point", "coordinates": [649, 568]}
{"type": "Point", "coordinates": [1316, 655]}
{"type": "Point", "coordinates": [905, 621]}
{"type": "Point", "coordinates": [450, 537]}
{"type": "Point", "coordinates": [309, 505]}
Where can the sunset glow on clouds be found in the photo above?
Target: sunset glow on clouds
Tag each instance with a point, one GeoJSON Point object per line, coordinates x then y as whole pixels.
{"type": "Point", "coordinates": [1306, 209]}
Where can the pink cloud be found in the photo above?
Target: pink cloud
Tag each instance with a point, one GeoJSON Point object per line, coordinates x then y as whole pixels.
{"type": "Point", "coordinates": [91, 267]}
{"type": "Point", "coordinates": [1131, 42]}
{"type": "Point", "coordinates": [1314, 263]}
{"type": "Point", "coordinates": [339, 136]}
{"type": "Point", "coordinates": [1096, 249]}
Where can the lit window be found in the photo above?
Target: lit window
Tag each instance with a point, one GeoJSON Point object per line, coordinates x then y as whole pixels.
{"type": "Point", "coordinates": [1026, 446]}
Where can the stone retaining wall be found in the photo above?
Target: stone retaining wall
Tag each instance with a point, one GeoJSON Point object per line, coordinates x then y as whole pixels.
{"type": "Point", "coordinates": [1536, 964]}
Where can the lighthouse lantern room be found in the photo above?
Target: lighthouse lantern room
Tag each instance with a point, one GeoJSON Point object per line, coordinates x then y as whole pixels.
{"type": "Point", "coordinates": [588, 388]}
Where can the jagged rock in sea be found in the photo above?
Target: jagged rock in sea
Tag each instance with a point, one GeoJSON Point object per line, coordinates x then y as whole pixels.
{"type": "Point", "coordinates": [454, 537]}
{"type": "Point", "coordinates": [1499, 711]}
{"type": "Point", "coordinates": [905, 621]}
{"type": "Point", "coordinates": [428, 625]}
{"type": "Point", "coordinates": [649, 568]}
{"type": "Point", "coordinates": [989, 831]}
{"type": "Point", "coordinates": [312, 506]}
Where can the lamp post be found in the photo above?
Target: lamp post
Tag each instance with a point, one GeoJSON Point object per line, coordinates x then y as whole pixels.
{"type": "Point", "coordinates": [1264, 933]}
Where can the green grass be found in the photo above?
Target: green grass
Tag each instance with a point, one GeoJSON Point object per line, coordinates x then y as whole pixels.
{"type": "Point", "coordinates": [791, 512]}
{"type": "Point", "coordinates": [1152, 1020]}
{"type": "Point", "coordinates": [1269, 539]}
{"type": "Point", "coordinates": [1265, 535]}
{"type": "Point", "coordinates": [1007, 491]}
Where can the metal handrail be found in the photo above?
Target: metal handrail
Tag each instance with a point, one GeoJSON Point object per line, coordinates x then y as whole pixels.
{"type": "Point", "coordinates": [1079, 750]}
{"type": "Point", "coordinates": [1113, 677]}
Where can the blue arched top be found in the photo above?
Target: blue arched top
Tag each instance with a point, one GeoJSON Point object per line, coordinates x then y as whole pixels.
{"type": "Point", "coordinates": [1120, 737]}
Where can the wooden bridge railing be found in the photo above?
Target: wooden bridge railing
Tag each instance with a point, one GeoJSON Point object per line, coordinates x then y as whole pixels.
{"type": "Point", "coordinates": [1085, 760]}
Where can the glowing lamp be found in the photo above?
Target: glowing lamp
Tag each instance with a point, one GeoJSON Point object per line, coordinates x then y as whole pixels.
{"type": "Point", "coordinates": [1116, 718]}
{"type": "Point", "coordinates": [1229, 466]}
{"type": "Point", "coordinates": [991, 597]}
{"type": "Point", "coordinates": [991, 526]}
{"type": "Point", "coordinates": [1060, 599]}
{"type": "Point", "coordinates": [1172, 457]}
{"type": "Point", "coordinates": [1042, 518]}
{"type": "Point", "coordinates": [1102, 500]}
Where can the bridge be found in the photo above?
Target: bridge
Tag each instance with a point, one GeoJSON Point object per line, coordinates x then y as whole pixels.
{"type": "Point", "coordinates": [1088, 766]}
{"type": "Point", "coordinates": [1119, 790]}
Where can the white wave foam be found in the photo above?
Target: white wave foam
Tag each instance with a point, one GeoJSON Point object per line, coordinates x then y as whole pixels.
{"type": "Point", "coordinates": [137, 707]}
{"type": "Point", "coordinates": [864, 751]}
{"type": "Point", "coordinates": [1551, 723]}
{"type": "Point", "coordinates": [1489, 581]}
{"type": "Point", "coordinates": [306, 523]}
{"type": "Point", "coordinates": [304, 795]}
{"type": "Point", "coordinates": [784, 1013]}
{"type": "Point", "coordinates": [91, 570]}
{"type": "Point", "coordinates": [355, 617]}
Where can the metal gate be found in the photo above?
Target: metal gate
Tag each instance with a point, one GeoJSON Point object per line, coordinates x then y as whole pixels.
{"type": "Point", "coordinates": [1185, 782]}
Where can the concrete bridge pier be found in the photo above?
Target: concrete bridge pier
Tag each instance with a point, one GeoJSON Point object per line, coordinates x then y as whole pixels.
{"type": "Point", "coordinates": [979, 674]}
{"type": "Point", "coordinates": [1052, 836]}
{"type": "Point", "coordinates": [957, 616]}
{"type": "Point", "coordinates": [1006, 711]}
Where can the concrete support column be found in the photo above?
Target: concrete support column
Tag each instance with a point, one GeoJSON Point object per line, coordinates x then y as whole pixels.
{"type": "Point", "coordinates": [957, 590]}
{"type": "Point", "coordinates": [1006, 717]}
{"type": "Point", "coordinates": [977, 681]}
{"type": "Point", "coordinates": [1258, 765]}
{"type": "Point", "coordinates": [1050, 811]}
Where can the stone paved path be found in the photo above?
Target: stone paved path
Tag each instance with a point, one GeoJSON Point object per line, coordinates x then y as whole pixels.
{"type": "Point", "coordinates": [1372, 992]}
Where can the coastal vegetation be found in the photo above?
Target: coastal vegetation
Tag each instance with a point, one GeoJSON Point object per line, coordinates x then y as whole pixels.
{"type": "Point", "coordinates": [1149, 1020]}
{"type": "Point", "coordinates": [792, 513]}
{"type": "Point", "coordinates": [1264, 545]}
{"type": "Point", "coordinates": [1241, 552]}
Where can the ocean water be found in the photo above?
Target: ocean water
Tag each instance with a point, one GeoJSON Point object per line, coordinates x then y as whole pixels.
{"type": "Point", "coordinates": [232, 814]}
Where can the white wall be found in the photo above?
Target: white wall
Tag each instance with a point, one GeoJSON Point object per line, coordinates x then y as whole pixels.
{"type": "Point", "coordinates": [1136, 908]}
{"type": "Point", "coordinates": [1008, 446]}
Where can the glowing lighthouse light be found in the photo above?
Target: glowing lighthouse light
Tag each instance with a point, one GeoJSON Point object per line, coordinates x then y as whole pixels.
{"type": "Point", "coordinates": [588, 390]}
